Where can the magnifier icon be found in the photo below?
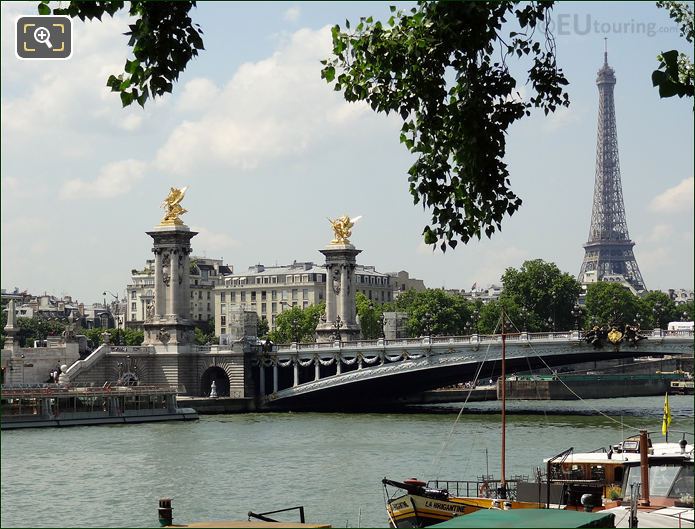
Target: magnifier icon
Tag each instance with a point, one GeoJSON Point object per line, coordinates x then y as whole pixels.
{"type": "Point", "coordinates": [42, 35]}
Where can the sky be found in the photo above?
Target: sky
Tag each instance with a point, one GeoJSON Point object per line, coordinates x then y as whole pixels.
{"type": "Point", "coordinates": [269, 151]}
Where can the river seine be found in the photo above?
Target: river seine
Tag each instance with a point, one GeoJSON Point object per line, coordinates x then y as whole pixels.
{"type": "Point", "coordinates": [223, 466]}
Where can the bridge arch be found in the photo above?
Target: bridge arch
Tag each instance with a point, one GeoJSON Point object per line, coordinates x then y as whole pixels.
{"type": "Point", "coordinates": [219, 376]}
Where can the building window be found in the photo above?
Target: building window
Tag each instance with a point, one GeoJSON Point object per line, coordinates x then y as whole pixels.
{"type": "Point", "coordinates": [222, 297]}
{"type": "Point", "coordinates": [294, 293]}
{"type": "Point", "coordinates": [195, 282]}
{"type": "Point", "coordinates": [223, 330]}
{"type": "Point", "coordinates": [243, 296]}
{"type": "Point", "coordinates": [305, 278]}
{"type": "Point", "coordinates": [191, 295]}
{"type": "Point", "coordinates": [253, 296]}
{"type": "Point", "coordinates": [134, 306]}
{"type": "Point", "coordinates": [285, 294]}
{"type": "Point", "coordinates": [208, 307]}
{"type": "Point", "coordinates": [133, 317]}
{"type": "Point", "coordinates": [296, 278]}
{"type": "Point", "coordinates": [274, 280]}
{"type": "Point", "coordinates": [305, 293]}
{"type": "Point", "coordinates": [274, 295]}
{"type": "Point", "coordinates": [208, 294]}
{"type": "Point", "coordinates": [232, 297]}
{"type": "Point", "coordinates": [288, 279]}
{"type": "Point", "coordinates": [223, 320]}
{"type": "Point", "coordinates": [274, 307]}
{"type": "Point", "coordinates": [223, 307]}
{"type": "Point", "coordinates": [263, 295]}
{"type": "Point", "coordinates": [133, 294]}
{"type": "Point", "coordinates": [263, 307]}
{"type": "Point", "coordinates": [305, 304]}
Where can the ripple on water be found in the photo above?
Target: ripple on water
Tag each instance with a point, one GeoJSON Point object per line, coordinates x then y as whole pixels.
{"type": "Point", "coordinates": [223, 466]}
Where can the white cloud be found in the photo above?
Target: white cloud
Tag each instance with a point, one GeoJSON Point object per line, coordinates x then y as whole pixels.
{"type": "Point", "coordinates": [212, 242]}
{"type": "Point", "coordinates": [562, 117]}
{"type": "Point", "coordinates": [114, 179]}
{"type": "Point", "coordinates": [658, 233]}
{"type": "Point", "coordinates": [197, 94]}
{"type": "Point", "coordinates": [675, 199]}
{"type": "Point", "coordinates": [292, 14]}
{"type": "Point", "coordinates": [277, 107]}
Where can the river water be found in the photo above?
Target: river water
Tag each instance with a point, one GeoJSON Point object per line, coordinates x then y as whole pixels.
{"type": "Point", "coordinates": [223, 466]}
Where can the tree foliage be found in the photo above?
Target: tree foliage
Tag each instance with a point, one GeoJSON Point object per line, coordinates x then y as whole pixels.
{"type": "Point", "coordinates": [163, 38]}
{"type": "Point", "coordinates": [675, 75]}
{"type": "Point", "coordinates": [442, 66]}
{"type": "Point", "coordinates": [369, 313]}
{"type": "Point", "coordinates": [546, 294]}
{"type": "Point", "coordinates": [31, 329]}
{"type": "Point", "coordinates": [117, 336]}
{"type": "Point", "coordinates": [608, 303]}
{"type": "Point", "coordinates": [297, 324]}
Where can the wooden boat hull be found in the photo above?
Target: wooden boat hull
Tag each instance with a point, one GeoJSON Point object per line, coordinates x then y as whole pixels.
{"type": "Point", "coordinates": [413, 510]}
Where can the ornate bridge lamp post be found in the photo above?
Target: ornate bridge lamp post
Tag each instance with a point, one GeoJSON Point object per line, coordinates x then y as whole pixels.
{"type": "Point", "coordinates": [684, 316]}
{"type": "Point", "coordinates": [576, 314]}
{"type": "Point", "coordinates": [295, 330]}
{"type": "Point", "coordinates": [427, 323]}
{"type": "Point", "coordinates": [382, 326]}
{"type": "Point", "coordinates": [550, 322]}
{"type": "Point", "coordinates": [475, 316]}
{"type": "Point", "coordinates": [658, 312]}
{"type": "Point", "coordinates": [337, 324]}
{"type": "Point", "coordinates": [523, 313]}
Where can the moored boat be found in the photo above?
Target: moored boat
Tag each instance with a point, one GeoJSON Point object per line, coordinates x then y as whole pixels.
{"type": "Point", "coordinates": [63, 405]}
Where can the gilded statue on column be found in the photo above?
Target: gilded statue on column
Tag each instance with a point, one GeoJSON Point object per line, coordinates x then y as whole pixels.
{"type": "Point", "coordinates": [342, 229]}
{"type": "Point", "coordinates": [172, 205]}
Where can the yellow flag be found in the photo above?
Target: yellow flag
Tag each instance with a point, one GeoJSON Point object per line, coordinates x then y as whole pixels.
{"type": "Point", "coordinates": [666, 422]}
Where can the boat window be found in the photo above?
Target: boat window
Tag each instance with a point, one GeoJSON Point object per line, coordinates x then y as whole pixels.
{"type": "Point", "coordinates": [618, 476]}
{"type": "Point", "coordinates": [661, 479]}
{"type": "Point", "coordinates": [684, 484]}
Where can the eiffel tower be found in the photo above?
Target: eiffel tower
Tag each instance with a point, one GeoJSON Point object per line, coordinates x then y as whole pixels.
{"type": "Point", "coordinates": [608, 252]}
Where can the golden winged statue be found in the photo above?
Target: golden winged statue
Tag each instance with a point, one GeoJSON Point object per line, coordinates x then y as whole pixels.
{"type": "Point", "coordinates": [172, 205]}
{"type": "Point", "coordinates": [342, 228]}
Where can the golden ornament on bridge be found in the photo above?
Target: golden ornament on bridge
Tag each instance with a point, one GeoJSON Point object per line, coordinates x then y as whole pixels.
{"type": "Point", "coordinates": [342, 228]}
{"type": "Point", "coordinates": [172, 205]}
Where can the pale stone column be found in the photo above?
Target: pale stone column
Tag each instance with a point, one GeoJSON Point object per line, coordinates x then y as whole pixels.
{"type": "Point", "coordinates": [338, 366]}
{"type": "Point", "coordinates": [344, 310]}
{"type": "Point", "coordinates": [185, 287]}
{"type": "Point", "coordinates": [295, 367]}
{"type": "Point", "coordinates": [330, 295]}
{"type": "Point", "coordinates": [317, 369]}
{"type": "Point", "coordinates": [275, 379]}
{"type": "Point", "coordinates": [158, 284]}
{"type": "Point", "coordinates": [173, 281]}
{"type": "Point", "coordinates": [262, 379]}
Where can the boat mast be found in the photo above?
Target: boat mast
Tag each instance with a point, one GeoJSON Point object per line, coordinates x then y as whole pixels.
{"type": "Point", "coordinates": [503, 482]}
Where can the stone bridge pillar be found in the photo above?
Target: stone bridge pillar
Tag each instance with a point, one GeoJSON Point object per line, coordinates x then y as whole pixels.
{"type": "Point", "coordinates": [340, 293]}
{"type": "Point", "coordinates": [170, 321]}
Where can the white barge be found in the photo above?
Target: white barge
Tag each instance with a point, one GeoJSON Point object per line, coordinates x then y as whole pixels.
{"type": "Point", "coordinates": [66, 405]}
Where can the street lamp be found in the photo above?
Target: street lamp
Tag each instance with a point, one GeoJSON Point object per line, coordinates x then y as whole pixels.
{"type": "Point", "coordinates": [115, 297]}
{"type": "Point", "coordinates": [382, 325]}
{"type": "Point", "coordinates": [337, 324]}
{"type": "Point", "coordinates": [475, 316]}
{"type": "Point", "coordinates": [427, 323]}
{"type": "Point", "coordinates": [684, 316]}
{"type": "Point", "coordinates": [551, 323]}
{"type": "Point", "coordinates": [576, 313]}
{"type": "Point", "coordinates": [657, 313]}
{"type": "Point", "coordinates": [524, 313]}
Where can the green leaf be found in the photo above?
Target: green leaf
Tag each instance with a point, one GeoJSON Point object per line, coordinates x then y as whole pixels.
{"type": "Point", "coordinates": [44, 9]}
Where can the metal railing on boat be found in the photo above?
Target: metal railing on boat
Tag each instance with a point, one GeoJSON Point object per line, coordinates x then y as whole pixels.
{"type": "Point", "coordinates": [64, 390]}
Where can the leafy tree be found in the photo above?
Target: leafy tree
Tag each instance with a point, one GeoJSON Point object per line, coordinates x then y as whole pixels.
{"type": "Point", "coordinates": [546, 294]}
{"type": "Point", "coordinates": [31, 329]}
{"type": "Point", "coordinates": [369, 315]}
{"type": "Point", "coordinates": [608, 303]}
{"type": "Point", "coordinates": [657, 309]}
{"type": "Point", "coordinates": [163, 38]}
{"type": "Point", "coordinates": [442, 66]}
{"type": "Point", "coordinates": [434, 311]}
{"type": "Point", "coordinates": [117, 336]}
{"type": "Point", "coordinates": [689, 309]}
{"type": "Point", "coordinates": [297, 324]}
{"type": "Point", "coordinates": [263, 328]}
{"type": "Point", "coordinates": [675, 76]}
{"type": "Point", "coordinates": [490, 317]}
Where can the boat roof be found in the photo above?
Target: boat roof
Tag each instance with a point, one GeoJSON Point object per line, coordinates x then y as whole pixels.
{"type": "Point", "coordinates": [530, 518]}
{"type": "Point", "coordinates": [618, 458]}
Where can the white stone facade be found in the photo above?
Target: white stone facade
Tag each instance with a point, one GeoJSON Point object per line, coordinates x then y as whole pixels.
{"type": "Point", "coordinates": [205, 274]}
{"type": "Point", "coordinates": [270, 290]}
